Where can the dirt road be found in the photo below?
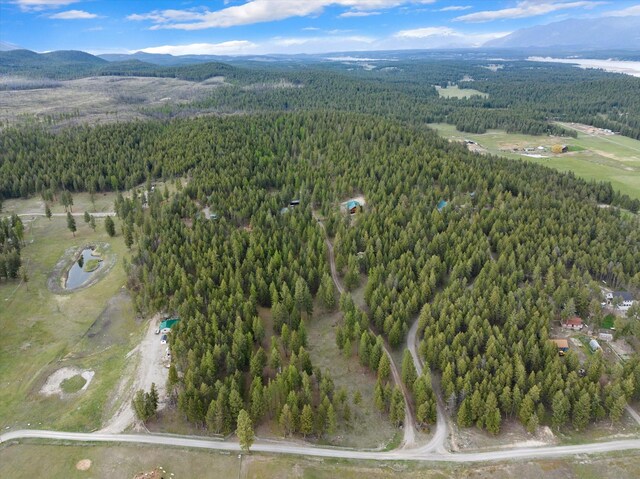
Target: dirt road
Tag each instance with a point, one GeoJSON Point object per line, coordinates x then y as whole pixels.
{"type": "Point", "coordinates": [438, 441]}
{"type": "Point", "coordinates": [284, 447]}
{"type": "Point", "coordinates": [149, 357]}
{"type": "Point", "coordinates": [409, 438]}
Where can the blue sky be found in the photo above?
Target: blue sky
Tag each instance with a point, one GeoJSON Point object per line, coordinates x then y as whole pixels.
{"type": "Point", "coordinates": [279, 26]}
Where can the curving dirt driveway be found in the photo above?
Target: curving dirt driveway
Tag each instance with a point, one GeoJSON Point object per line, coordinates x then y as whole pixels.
{"type": "Point", "coordinates": [409, 438]}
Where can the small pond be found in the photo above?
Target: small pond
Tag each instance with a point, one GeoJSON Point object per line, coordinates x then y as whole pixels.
{"type": "Point", "coordinates": [83, 269]}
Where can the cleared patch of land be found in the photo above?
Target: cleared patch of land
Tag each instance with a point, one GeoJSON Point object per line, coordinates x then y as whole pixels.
{"type": "Point", "coordinates": [99, 99]}
{"type": "Point", "coordinates": [454, 91]}
{"type": "Point", "coordinates": [42, 332]}
{"type": "Point", "coordinates": [38, 459]}
{"type": "Point", "coordinates": [368, 427]}
{"type": "Point", "coordinates": [612, 158]}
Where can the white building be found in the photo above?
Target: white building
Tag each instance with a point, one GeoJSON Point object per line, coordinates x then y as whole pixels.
{"type": "Point", "coordinates": [624, 300]}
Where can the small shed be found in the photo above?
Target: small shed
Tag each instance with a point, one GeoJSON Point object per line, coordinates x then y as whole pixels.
{"type": "Point", "coordinates": [353, 206]}
{"type": "Point", "coordinates": [606, 336]}
{"type": "Point", "coordinates": [167, 324]}
{"type": "Point", "coordinates": [562, 345]}
{"type": "Point", "coordinates": [594, 345]}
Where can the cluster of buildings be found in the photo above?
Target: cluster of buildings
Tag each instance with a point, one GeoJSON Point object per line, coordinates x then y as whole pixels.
{"type": "Point", "coordinates": [620, 300]}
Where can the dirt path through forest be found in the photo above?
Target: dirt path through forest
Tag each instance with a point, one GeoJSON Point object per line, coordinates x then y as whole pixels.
{"type": "Point", "coordinates": [409, 438]}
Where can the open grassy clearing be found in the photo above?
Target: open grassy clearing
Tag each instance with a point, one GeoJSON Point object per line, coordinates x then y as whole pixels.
{"type": "Point", "coordinates": [100, 203]}
{"type": "Point", "coordinates": [90, 329]}
{"type": "Point", "coordinates": [368, 427]}
{"type": "Point", "coordinates": [454, 91]}
{"type": "Point", "coordinates": [603, 158]}
{"type": "Point", "coordinates": [41, 459]}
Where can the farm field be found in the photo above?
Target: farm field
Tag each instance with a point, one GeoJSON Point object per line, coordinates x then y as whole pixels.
{"type": "Point", "coordinates": [34, 459]}
{"type": "Point", "coordinates": [454, 91]}
{"type": "Point", "coordinates": [88, 331]}
{"type": "Point", "coordinates": [603, 158]}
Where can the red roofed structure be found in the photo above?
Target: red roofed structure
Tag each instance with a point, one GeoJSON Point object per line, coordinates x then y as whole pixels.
{"type": "Point", "coordinates": [573, 323]}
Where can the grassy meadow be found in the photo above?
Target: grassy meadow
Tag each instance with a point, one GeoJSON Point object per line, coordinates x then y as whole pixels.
{"type": "Point", "coordinates": [603, 158]}
{"type": "Point", "coordinates": [92, 328]}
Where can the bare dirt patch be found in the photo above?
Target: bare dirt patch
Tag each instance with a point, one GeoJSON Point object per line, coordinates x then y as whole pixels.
{"type": "Point", "coordinates": [53, 384]}
{"type": "Point", "coordinates": [512, 435]}
{"type": "Point", "coordinates": [157, 473]}
{"type": "Point", "coordinates": [83, 465]}
{"type": "Point", "coordinates": [149, 366]}
{"type": "Point", "coordinates": [101, 99]}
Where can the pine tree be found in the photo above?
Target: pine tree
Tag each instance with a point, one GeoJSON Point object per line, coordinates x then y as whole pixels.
{"type": "Point", "coordinates": [127, 232]}
{"type": "Point", "coordinates": [384, 367]}
{"type": "Point", "coordinates": [286, 420]}
{"type": "Point", "coordinates": [110, 226]}
{"type": "Point", "coordinates": [560, 407]}
{"type": "Point", "coordinates": [464, 414]}
{"type": "Point", "coordinates": [87, 217]}
{"type": "Point", "coordinates": [47, 211]}
{"type": "Point", "coordinates": [244, 431]}
{"type": "Point", "coordinates": [332, 420]}
{"type": "Point", "coordinates": [533, 423]}
{"type": "Point", "coordinates": [210, 418]}
{"type": "Point", "coordinates": [306, 421]}
{"type": "Point", "coordinates": [409, 374]}
{"type": "Point", "coordinates": [327, 292]}
{"type": "Point", "coordinates": [617, 408]}
{"type": "Point", "coordinates": [71, 223]}
{"type": "Point", "coordinates": [139, 405]}
{"type": "Point", "coordinates": [582, 411]}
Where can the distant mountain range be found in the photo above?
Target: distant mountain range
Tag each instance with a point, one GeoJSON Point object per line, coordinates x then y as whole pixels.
{"type": "Point", "coordinates": [604, 37]}
{"type": "Point", "coordinates": [604, 33]}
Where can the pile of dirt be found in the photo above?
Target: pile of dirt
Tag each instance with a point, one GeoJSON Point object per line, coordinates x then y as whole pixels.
{"type": "Point", "coordinates": [83, 465]}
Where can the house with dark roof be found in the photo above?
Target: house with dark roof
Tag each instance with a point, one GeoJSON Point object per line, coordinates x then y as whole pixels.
{"type": "Point", "coordinates": [622, 299]}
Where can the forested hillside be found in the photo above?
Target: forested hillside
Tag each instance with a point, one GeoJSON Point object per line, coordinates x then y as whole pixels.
{"type": "Point", "coordinates": [523, 96]}
{"type": "Point", "coordinates": [486, 274]}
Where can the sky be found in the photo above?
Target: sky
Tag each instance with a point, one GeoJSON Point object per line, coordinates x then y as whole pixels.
{"type": "Point", "coordinates": [247, 27]}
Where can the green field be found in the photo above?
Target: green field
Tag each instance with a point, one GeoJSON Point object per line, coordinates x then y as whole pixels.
{"type": "Point", "coordinates": [454, 91]}
{"type": "Point", "coordinates": [40, 459]}
{"type": "Point", "coordinates": [603, 158]}
{"type": "Point", "coordinates": [90, 329]}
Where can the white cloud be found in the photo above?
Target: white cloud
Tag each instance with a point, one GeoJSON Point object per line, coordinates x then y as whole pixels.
{"type": "Point", "coordinates": [73, 15]}
{"type": "Point", "coordinates": [625, 12]}
{"type": "Point", "coordinates": [524, 9]}
{"type": "Point", "coordinates": [445, 37]}
{"type": "Point", "coordinates": [232, 47]}
{"type": "Point", "coordinates": [37, 5]}
{"type": "Point", "coordinates": [353, 39]}
{"type": "Point", "coordinates": [425, 32]}
{"type": "Point", "coordinates": [358, 13]}
{"type": "Point", "coordinates": [257, 11]}
{"type": "Point", "coordinates": [455, 8]}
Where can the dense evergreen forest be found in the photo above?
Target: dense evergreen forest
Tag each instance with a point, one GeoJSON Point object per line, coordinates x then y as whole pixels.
{"type": "Point", "coordinates": [11, 238]}
{"type": "Point", "coordinates": [516, 246]}
{"type": "Point", "coordinates": [524, 96]}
